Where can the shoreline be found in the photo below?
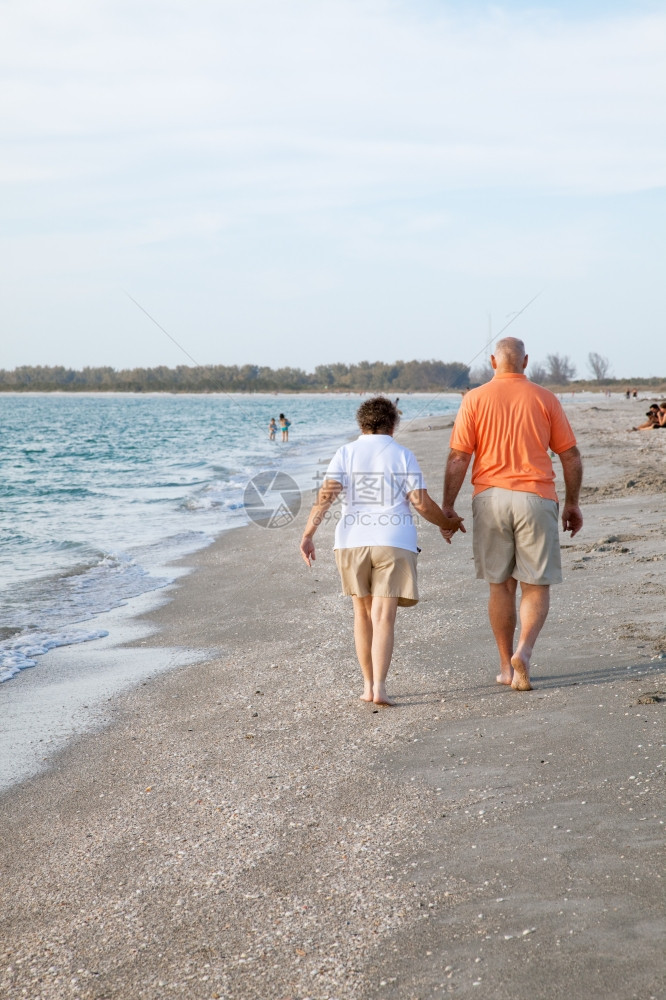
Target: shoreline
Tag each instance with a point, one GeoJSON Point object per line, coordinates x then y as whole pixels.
{"type": "Point", "coordinates": [62, 680]}
{"type": "Point", "coordinates": [71, 694]}
{"type": "Point", "coordinates": [245, 828]}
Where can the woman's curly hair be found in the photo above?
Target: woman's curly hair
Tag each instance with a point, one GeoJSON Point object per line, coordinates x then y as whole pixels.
{"type": "Point", "coordinates": [377, 416]}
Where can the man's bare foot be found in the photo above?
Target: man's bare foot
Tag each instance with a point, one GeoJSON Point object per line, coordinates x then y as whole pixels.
{"type": "Point", "coordinates": [521, 673]}
{"type": "Point", "coordinates": [505, 676]}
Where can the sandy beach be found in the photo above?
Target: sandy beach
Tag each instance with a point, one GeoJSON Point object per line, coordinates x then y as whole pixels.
{"type": "Point", "coordinates": [245, 828]}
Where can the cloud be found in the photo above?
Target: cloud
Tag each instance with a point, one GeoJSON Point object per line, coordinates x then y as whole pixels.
{"type": "Point", "coordinates": [287, 150]}
{"type": "Point", "coordinates": [361, 90]}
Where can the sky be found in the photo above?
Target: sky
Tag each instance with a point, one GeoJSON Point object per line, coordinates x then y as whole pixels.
{"type": "Point", "coordinates": [300, 182]}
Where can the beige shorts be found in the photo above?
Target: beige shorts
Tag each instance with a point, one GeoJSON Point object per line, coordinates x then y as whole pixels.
{"type": "Point", "coordinates": [516, 534]}
{"type": "Point", "coordinates": [380, 570]}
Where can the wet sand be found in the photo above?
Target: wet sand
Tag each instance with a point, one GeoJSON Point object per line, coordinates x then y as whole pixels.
{"type": "Point", "coordinates": [245, 827]}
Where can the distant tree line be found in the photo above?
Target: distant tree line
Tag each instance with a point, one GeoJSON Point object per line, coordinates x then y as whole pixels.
{"type": "Point", "coordinates": [377, 376]}
{"type": "Point", "coordinates": [557, 369]}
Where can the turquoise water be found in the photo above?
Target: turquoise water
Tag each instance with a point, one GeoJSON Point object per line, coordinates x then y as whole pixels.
{"type": "Point", "coordinates": [100, 492]}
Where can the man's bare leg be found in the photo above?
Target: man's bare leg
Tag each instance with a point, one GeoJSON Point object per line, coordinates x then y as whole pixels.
{"type": "Point", "coordinates": [363, 641]}
{"type": "Point", "coordinates": [534, 605]}
{"type": "Point", "coordinates": [384, 610]}
{"type": "Point", "coordinates": [502, 615]}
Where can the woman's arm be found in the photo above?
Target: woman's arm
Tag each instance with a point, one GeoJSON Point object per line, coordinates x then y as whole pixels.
{"type": "Point", "coordinates": [327, 495]}
{"type": "Point", "coordinates": [424, 505]}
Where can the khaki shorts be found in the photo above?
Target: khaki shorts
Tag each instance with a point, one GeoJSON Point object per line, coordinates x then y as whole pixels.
{"type": "Point", "coordinates": [516, 534]}
{"type": "Point", "coordinates": [380, 570]}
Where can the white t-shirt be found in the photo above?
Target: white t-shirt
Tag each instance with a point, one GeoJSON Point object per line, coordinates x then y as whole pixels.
{"type": "Point", "coordinates": [376, 474]}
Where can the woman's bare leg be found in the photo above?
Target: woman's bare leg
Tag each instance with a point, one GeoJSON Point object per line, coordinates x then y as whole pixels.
{"type": "Point", "coordinates": [384, 610]}
{"type": "Point", "coordinates": [363, 641]}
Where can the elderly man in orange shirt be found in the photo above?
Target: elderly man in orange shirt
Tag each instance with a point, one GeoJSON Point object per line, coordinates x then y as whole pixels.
{"type": "Point", "coordinates": [510, 424]}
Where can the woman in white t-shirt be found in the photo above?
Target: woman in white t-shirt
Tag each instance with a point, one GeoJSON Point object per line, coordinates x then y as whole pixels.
{"type": "Point", "coordinates": [378, 482]}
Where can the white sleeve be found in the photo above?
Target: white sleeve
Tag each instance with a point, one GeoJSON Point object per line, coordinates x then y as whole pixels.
{"type": "Point", "coordinates": [409, 478]}
{"type": "Point", "coordinates": [336, 468]}
{"type": "Point", "coordinates": [414, 478]}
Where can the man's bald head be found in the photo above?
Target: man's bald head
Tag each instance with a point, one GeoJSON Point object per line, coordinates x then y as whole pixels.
{"type": "Point", "coordinates": [510, 355]}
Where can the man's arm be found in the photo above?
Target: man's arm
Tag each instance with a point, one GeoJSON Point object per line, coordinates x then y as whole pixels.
{"type": "Point", "coordinates": [572, 470]}
{"type": "Point", "coordinates": [424, 505]}
{"type": "Point", "coordinates": [327, 495]}
{"type": "Point", "coordinates": [456, 469]}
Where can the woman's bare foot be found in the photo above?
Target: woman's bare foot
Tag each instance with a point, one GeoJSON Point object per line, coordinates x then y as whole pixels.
{"type": "Point", "coordinates": [367, 693]}
{"type": "Point", "coordinates": [381, 697]}
{"type": "Point", "coordinates": [521, 673]}
{"type": "Point", "coordinates": [505, 676]}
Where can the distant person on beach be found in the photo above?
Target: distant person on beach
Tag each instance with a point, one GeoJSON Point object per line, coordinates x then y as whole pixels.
{"type": "Point", "coordinates": [661, 416]}
{"type": "Point", "coordinates": [272, 429]}
{"type": "Point", "coordinates": [375, 537]}
{"type": "Point", "coordinates": [284, 427]}
{"type": "Point", "coordinates": [509, 425]}
{"type": "Point", "coordinates": [653, 419]}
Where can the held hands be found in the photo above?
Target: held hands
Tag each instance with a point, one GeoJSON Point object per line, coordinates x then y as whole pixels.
{"type": "Point", "coordinates": [456, 524]}
{"type": "Point", "coordinates": [308, 549]}
{"type": "Point", "coordinates": [572, 519]}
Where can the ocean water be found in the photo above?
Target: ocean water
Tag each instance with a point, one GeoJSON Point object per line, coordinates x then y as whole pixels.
{"type": "Point", "coordinates": [99, 492]}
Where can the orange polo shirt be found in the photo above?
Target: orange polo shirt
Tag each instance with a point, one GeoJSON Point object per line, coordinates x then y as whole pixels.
{"type": "Point", "coordinates": [510, 424]}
